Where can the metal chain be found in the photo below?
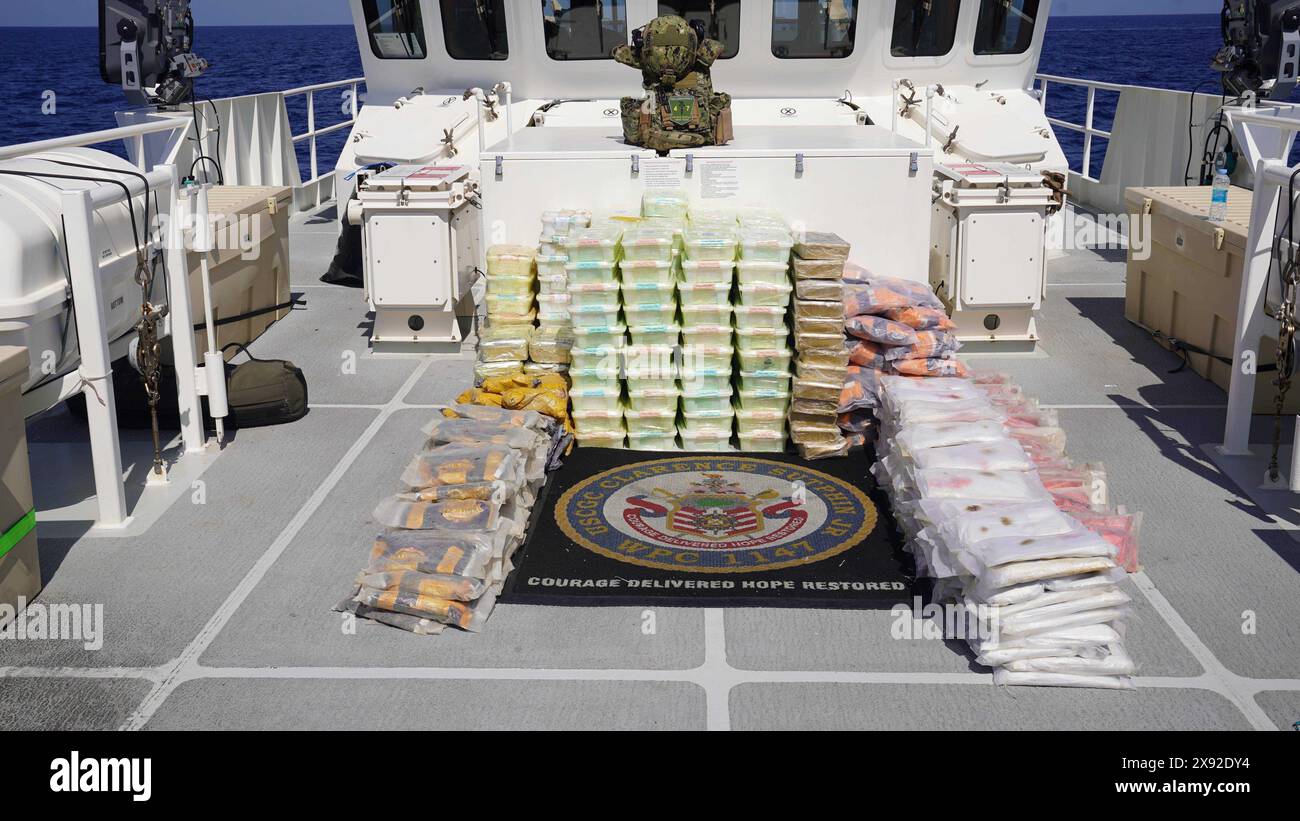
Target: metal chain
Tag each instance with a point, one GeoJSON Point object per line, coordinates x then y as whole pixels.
{"type": "Point", "coordinates": [149, 357]}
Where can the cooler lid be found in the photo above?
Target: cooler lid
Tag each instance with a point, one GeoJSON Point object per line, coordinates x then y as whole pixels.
{"type": "Point", "coordinates": [559, 143]}
{"type": "Point", "coordinates": [990, 174]}
{"type": "Point", "coordinates": [437, 177]}
{"type": "Point", "coordinates": [13, 366]}
{"type": "Point", "coordinates": [1190, 206]}
{"type": "Point", "coordinates": [811, 141]}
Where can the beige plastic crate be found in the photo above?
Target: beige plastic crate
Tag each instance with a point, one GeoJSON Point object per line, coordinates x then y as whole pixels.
{"type": "Point", "coordinates": [1190, 287]}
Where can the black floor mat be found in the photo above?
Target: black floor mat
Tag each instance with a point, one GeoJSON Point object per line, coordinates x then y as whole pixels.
{"type": "Point", "coordinates": [616, 528]}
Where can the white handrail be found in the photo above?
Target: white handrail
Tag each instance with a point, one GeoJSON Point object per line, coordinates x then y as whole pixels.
{"type": "Point", "coordinates": [1087, 128]}
{"type": "Point", "coordinates": [312, 132]}
{"type": "Point", "coordinates": [129, 132]}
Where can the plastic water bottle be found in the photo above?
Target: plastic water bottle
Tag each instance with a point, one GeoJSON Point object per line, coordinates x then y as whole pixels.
{"type": "Point", "coordinates": [1222, 182]}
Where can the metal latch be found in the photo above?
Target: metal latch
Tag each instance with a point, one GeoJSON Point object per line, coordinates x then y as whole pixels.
{"type": "Point", "coordinates": [915, 166]}
{"type": "Point", "coordinates": [1218, 239]}
{"type": "Point", "coordinates": [636, 165]}
{"type": "Point", "coordinates": [690, 163]}
{"type": "Point", "coordinates": [798, 163]}
{"type": "Point", "coordinates": [1146, 206]}
{"type": "Point", "coordinates": [271, 206]}
{"type": "Point", "coordinates": [501, 166]}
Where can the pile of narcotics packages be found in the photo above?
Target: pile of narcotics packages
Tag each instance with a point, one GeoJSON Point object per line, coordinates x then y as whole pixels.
{"type": "Point", "coordinates": [448, 538]}
{"type": "Point", "coordinates": [1022, 540]}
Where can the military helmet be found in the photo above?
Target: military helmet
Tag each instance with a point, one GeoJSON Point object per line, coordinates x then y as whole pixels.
{"type": "Point", "coordinates": [669, 47]}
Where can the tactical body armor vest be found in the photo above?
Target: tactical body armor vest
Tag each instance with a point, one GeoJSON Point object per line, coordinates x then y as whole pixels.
{"type": "Point", "coordinates": [680, 109]}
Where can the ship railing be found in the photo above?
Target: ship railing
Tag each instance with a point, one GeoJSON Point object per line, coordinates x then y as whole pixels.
{"type": "Point", "coordinates": [133, 135]}
{"type": "Point", "coordinates": [319, 188]}
{"type": "Point", "coordinates": [1088, 127]}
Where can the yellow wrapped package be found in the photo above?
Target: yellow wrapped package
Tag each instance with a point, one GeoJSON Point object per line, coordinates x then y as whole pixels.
{"type": "Point", "coordinates": [479, 396]}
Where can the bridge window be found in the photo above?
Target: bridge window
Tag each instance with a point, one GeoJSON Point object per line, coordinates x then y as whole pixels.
{"type": "Point", "coordinates": [1005, 26]}
{"type": "Point", "coordinates": [924, 28]}
{"type": "Point", "coordinates": [721, 19]}
{"type": "Point", "coordinates": [396, 29]}
{"type": "Point", "coordinates": [813, 29]}
{"type": "Point", "coordinates": [584, 29]}
{"type": "Point", "coordinates": [475, 29]}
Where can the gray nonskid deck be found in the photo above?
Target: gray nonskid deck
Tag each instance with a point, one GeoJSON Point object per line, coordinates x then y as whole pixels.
{"type": "Point", "coordinates": [221, 616]}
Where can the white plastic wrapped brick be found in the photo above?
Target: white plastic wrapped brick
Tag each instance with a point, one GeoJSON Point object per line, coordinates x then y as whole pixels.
{"type": "Point", "coordinates": [986, 496]}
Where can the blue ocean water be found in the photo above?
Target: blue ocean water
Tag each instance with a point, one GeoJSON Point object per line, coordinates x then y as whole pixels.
{"type": "Point", "coordinates": [1170, 51]}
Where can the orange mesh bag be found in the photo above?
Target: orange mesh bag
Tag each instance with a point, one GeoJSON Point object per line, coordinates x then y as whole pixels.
{"type": "Point", "coordinates": [930, 367]}
{"type": "Point", "coordinates": [922, 319]}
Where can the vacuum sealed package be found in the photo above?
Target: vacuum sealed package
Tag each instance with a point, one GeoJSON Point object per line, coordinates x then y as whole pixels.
{"type": "Point", "coordinates": [483, 371]}
{"type": "Point", "coordinates": [458, 465]}
{"type": "Point", "coordinates": [449, 493]}
{"type": "Point", "coordinates": [928, 345]}
{"type": "Point", "coordinates": [430, 585]}
{"type": "Point", "coordinates": [817, 391]}
{"type": "Point", "coordinates": [469, 616]}
{"type": "Point", "coordinates": [551, 345]}
{"type": "Point", "coordinates": [411, 624]}
{"type": "Point", "coordinates": [1006, 678]}
{"type": "Point", "coordinates": [823, 290]}
{"type": "Point", "coordinates": [867, 354]}
{"type": "Point", "coordinates": [1004, 454]}
{"type": "Point", "coordinates": [880, 330]}
{"type": "Point", "coordinates": [507, 344]}
{"type": "Point", "coordinates": [817, 309]}
{"type": "Point", "coordinates": [929, 367]}
{"type": "Point", "coordinates": [1018, 573]}
{"type": "Point", "coordinates": [821, 245]}
{"type": "Point", "coordinates": [861, 390]}
{"type": "Point", "coordinates": [806, 325]}
{"type": "Point", "coordinates": [973, 410]}
{"type": "Point", "coordinates": [922, 318]}
{"type": "Point", "coordinates": [830, 270]}
{"type": "Point", "coordinates": [523, 419]}
{"type": "Point", "coordinates": [807, 343]}
{"type": "Point", "coordinates": [1075, 544]}
{"type": "Point", "coordinates": [881, 294]}
{"type": "Point", "coordinates": [819, 373]}
{"type": "Point", "coordinates": [407, 513]}
{"type": "Point", "coordinates": [812, 453]}
{"type": "Point", "coordinates": [446, 431]}
{"type": "Point", "coordinates": [830, 357]}
{"type": "Point", "coordinates": [437, 552]}
{"type": "Point", "coordinates": [983, 485]}
{"type": "Point", "coordinates": [920, 437]}
{"type": "Point", "coordinates": [806, 433]}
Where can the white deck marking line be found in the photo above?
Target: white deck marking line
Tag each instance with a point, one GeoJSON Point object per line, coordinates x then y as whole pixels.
{"type": "Point", "coordinates": [1135, 406]}
{"type": "Point", "coordinates": [715, 673]}
{"type": "Point", "coordinates": [187, 661]}
{"type": "Point", "coordinates": [1220, 679]}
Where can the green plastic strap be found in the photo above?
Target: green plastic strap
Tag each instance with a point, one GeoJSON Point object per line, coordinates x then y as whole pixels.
{"type": "Point", "coordinates": [17, 533]}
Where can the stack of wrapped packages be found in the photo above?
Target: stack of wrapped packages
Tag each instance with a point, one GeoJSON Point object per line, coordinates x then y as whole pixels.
{"type": "Point", "coordinates": [448, 538]}
{"type": "Point", "coordinates": [819, 265]}
{"type": "Point", "coordinates": [894, 326]}
{"type": "Point", "coordinates": [1024, 540]}
{"type": "Point", "coordinates": [507, 331]}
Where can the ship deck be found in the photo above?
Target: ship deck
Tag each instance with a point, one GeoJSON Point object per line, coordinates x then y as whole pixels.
{"type": "Point", "coordinates": [220, 615]}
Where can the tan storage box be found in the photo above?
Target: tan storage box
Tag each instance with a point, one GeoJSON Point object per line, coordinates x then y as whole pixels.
{"type": "Point", "coordinates": [1190, 287]}
{"type": "Point", "coordinates": [244, 217]}
{"type": "Point", "coordinates": [20, 569]}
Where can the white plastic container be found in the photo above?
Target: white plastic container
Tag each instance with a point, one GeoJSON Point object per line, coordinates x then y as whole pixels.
{"type": "Point", "coordinates": [592, 296]}
{"type": "Point", "coordinates": [612, 441]}
{"type": "Point", "coordinates": [652, 359]}
{"type": "Point", "coordinates": [597, 356]}
{"type": "Point", "coordinates": [705, 293]}
{"type": "Point", "coordinates": [554, 308]}
{"type": "Point", "coordinates": [749, 339]}
{"type": "Point", "coordinates": [765, 380]}
{"type": "Point", "coordinates": [707, 335]}
{"type": "Point", "coordinates": [651, 421]}
{"type": "Point", "coordinates": [706, 315]}
{"type": "Point", "coordinates": [598, 423]}
{"type": "Point", "coordinates": [765, 359]}
{"type": "Point", "coordinates": [510, 286]}
{"type": "Point", "coordinates": [549, 265]}
{"type": "Point", "coordinates": [751, 422]}
{"type": "Point", "coordinates": [593, 376]}
{"type": "Point", "coordinates": [695, 270]}
{"type": "Point", "coordinates": [656, 334]}
{"type": "Point", "coordinates": [706, 440]}
{"type": "Point", "coordinates": [595, 316]}
{"type": "Point", "coordinates": [653, 399]}
{"type": "Point", "coordinates": [510, 261]}
{"type": "Point", "coordinates": [654, 442]}
{"type": "Point", "coordinates": [763, 400]}
{"type": "Point", "coordinates": [665, 203]}
{"type": "Point", "coordinates": [596, 244]}
{"type": "Point", "coordinates": [603, 398]}
{"type": "Point", "coordinates": [765, 244]}
{"type": "Point", "coordinates": [552, 284]}
{"type": "Point", "coordinates": [709, 245]}
{"type": "Point", "coordinates": [652, 379]}
{"type": "Point", "coordinates": [646, 272]}
{"type": "Point", "coordinates": [648, 243]}
{"type": "Point", "coordinates": [509, 304]}
{"type": "Point", "coordinates": [642, 314]}
{"type": "Point", "coordinates": [760, 316]}
{"type": "Point", "coordinates": [705, 358]}
{"type": "Point", "coordinates": [651, 293]}
{"type": "Point", "coordinates": [749, 272]}
{"type": "Point", "coordinates": [591, 273]}
{"type": "Point", "coordinates": [776, 296]}
{"type": "Point", "coordinates": [594, 336]}
{"type": "Point", "coordinates": [706, 381]}
{"type": "Point", "coordinates": [763, 441]}
{"type": "Point", "coordinates": [713, 404]}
